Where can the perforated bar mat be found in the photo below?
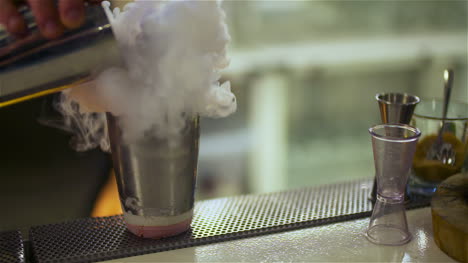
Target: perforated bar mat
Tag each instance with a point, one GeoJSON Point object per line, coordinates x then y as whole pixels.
{"type": "Point", "coordinates": [11, 247]}
{"type": "Point", "coordinates": [98, 239]}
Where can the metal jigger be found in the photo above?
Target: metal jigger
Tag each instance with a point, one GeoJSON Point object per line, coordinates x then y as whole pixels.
{"type": "Point", "coordinates": [394, 108]}
{"type": "Point", "coordinates": [393, 146]}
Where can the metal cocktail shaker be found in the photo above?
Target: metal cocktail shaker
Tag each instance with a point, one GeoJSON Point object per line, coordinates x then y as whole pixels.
{"type": "Point", "coordinates": [156, 179]}
{"type": "Point", "coordinates": [34, 66]}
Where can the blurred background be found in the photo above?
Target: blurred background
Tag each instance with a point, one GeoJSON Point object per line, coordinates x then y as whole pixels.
{"type": "Point", "coordinates": [305, 74]}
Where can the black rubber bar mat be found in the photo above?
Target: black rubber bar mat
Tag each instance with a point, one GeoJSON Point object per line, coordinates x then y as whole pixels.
{"type": "Point", "coordinates": [99, 239]}
{"type": "Point", "coordinates": [11, 247]}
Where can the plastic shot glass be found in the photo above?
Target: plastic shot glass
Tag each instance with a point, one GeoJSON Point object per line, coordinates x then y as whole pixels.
{"type": "Point", "coordinates": [393, 146]}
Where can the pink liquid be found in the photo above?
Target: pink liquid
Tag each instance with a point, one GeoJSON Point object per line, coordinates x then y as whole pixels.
{"type": "Point", "coordinates": [157, 232]}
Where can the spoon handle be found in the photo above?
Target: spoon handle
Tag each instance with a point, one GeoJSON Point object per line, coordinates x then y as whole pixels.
{"type": "Point", "coordinates": [448, 80]}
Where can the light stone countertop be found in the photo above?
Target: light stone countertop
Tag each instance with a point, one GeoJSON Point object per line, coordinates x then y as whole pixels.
{"type": "Point", "coordinates": [339, 242]}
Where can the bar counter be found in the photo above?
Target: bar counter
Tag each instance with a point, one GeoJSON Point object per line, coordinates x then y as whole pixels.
{"type": "Point", "coordinates": [322, 224]}
{"type": "Point", "coordinates": [338, 242]}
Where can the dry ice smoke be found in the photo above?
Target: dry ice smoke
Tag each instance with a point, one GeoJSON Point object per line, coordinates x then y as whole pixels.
{"type": "Point", "coordinates": [173, 53]}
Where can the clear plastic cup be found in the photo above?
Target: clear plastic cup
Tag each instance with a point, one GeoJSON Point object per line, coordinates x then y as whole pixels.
{"type": "Point", "coordinates": [427, 174]}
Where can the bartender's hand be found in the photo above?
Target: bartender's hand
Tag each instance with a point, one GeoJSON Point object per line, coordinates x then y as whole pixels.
{"type": "Point", "coordinates": [50, 19]}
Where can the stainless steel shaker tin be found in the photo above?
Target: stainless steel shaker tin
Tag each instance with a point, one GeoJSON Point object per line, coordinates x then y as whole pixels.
{"type": "Point", "coordinates": [155, 176]}
{"type": "Point", "coordinates": [34, 66]}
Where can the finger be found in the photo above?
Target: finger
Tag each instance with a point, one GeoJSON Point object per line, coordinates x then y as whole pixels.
{"type": "Point", "coordinates": [11, 18]}
{"type": "Point", "coordinates": [47, 17]}
{"type": "Point", "coordinates": [94, 2]}
{"type": "Point", "coordinates": [72, 12]}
